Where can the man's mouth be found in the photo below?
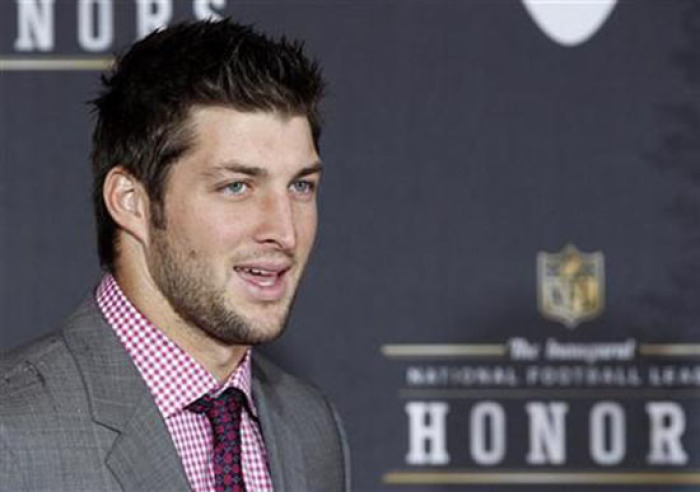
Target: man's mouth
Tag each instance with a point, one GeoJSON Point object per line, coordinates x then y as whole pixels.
{"type": "Point", "coordinates": [259, 276]}
{"type": "Point", "coordinates": [264, 282]}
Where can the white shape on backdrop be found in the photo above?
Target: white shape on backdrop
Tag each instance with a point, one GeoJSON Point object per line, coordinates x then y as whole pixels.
{"type": "Point", "coordinates": [569, 22]}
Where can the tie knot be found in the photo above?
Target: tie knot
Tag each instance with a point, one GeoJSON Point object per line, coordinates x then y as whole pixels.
{"type": "Point", "coordinates": [228, 403]}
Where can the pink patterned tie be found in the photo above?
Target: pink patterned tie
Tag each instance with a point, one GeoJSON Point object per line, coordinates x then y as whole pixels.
{"type": "Point", "coordinates": [224, 413]}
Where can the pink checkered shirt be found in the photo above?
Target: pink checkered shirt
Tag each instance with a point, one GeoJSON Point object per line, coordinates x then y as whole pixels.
{"type": "Point", "coordinates": [176, 380]}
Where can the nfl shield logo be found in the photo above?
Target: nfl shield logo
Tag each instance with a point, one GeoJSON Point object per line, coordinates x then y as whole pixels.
{"type": "Point", "coordinates": [571, 285]}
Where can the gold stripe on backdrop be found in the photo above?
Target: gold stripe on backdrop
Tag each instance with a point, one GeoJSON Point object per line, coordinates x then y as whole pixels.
{"type": "Point", "coordinates": [443, 350]}
{"type": "Point", "coordinates": [670, 349]}
{"type": "Point", "coordinates": [48, 64]}
{"type": "Point", "coordinates": [541, 478]}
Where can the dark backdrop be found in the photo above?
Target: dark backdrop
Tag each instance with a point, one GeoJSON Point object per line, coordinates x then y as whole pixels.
{"type": "Point", "coordinates": [460, 140]}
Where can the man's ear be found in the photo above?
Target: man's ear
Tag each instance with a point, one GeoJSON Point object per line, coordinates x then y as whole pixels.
{"type": "Point", "coordinates": [127, 202]}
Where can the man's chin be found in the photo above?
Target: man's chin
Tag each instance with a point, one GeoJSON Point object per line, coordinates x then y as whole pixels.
{"type": "Point", "coordinates": [255, 336]}
{"type": "Point", "coordinates": [241, 327]}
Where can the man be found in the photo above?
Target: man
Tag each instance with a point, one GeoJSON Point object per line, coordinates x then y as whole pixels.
{"type": "Point", "coordinates": [205, 176]}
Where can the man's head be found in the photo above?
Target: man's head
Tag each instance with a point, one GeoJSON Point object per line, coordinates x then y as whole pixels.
{"type": "Point", "coordinates": [205, 167]}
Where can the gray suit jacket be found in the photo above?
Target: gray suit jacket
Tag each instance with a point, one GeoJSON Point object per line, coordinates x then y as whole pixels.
{"type": "Point", "coordinates": [75, 415]}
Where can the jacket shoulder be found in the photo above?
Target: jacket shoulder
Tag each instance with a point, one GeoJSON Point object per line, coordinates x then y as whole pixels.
{"type": "Point", "coordinates": [19, 366]}
{"type": "Point", "coordinates": [48, 440]}
{"type": "Point", "coordinates": [31, 376]}
{"type": "Point", "coordinates": [48, 349]}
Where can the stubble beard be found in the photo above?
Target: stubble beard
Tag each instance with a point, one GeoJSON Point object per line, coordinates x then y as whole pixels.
{"type": "Point", "coordinates": [187, 285]}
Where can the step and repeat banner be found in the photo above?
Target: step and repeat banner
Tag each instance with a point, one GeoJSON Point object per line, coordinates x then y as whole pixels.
{"type": "Point", "coordinates": [505, 291]}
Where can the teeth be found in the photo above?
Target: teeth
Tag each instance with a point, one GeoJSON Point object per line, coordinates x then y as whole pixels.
{"type": "Point", "coordinates": [266, 282]}
{"type": "Point", "coordinates": [259, 276]}
{"type": "Point", "coordinates": [257, 272]}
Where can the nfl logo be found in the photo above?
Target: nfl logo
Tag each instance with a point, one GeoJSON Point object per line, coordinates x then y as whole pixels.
{"type": "Point", "coordinates": [571, 285]}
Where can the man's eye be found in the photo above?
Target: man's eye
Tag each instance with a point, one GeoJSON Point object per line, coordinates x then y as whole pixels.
{"type": "Point", "coordinates": [303, 186]}
{"type": "Point", "coordinates": [236, 188]}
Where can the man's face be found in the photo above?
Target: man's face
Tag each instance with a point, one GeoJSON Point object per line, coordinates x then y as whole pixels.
{"type": "Point", "coordinates": [240, 221]}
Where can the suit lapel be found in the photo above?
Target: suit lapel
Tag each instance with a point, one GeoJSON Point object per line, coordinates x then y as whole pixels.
{"type": "Point", "coordinates": [283, 447]}
{"type": "Point", "coordinates": [142, 456]}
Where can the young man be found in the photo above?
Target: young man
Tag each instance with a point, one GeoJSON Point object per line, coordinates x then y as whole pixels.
{"type": "Point", "coordinates": [206, 168]}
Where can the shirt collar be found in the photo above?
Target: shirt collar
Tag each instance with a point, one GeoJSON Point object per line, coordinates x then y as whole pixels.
{"type": "Point", "coordinates": [174, 377]}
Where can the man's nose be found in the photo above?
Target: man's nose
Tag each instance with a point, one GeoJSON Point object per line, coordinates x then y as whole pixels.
{"type": "Point", "coordinates": [276, 222]}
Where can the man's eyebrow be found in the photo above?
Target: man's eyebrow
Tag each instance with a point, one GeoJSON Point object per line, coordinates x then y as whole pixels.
{"type": "Point", "coordinates": [238, 168]}
{"type": "Point", "coordinates": [314, 168]}
{"type": "Point", "coordinates": [256, 171]}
